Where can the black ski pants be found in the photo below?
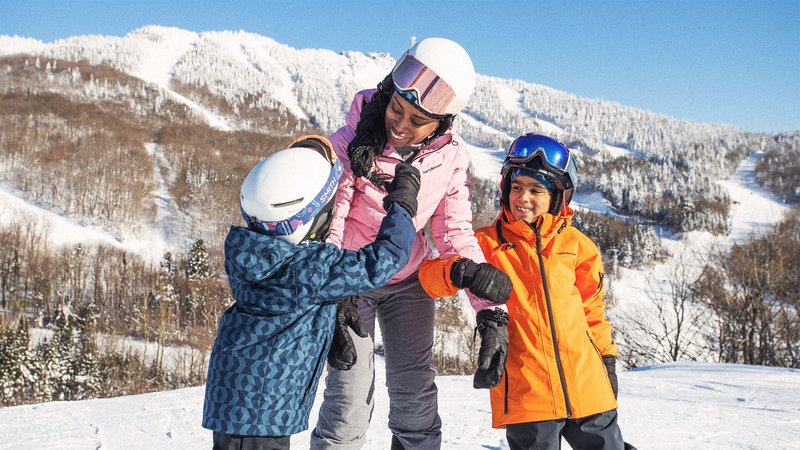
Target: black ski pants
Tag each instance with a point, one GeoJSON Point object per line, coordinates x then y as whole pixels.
{"type": "Point", "coordinates": [223, 441]}
{"type": "Point", "coordinates": [598, 432]}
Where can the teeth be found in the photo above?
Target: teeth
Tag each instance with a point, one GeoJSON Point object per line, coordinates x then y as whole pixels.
{"type": "Point", "coordinates": [395, 135]}
{"type": "Point", "coordinates": [524, 209]}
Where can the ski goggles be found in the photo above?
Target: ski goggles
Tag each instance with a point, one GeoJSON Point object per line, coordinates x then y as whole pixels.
{"type": "Point", "coordinates": [306, 215]}
{"type": "Point", "coordinates": [420, 85]}
{"type": "Point", "coordinates": [554, 155]}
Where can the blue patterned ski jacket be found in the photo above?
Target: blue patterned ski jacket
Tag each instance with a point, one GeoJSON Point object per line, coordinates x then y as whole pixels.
{"type": "Point", "coordinates": [272, 343]}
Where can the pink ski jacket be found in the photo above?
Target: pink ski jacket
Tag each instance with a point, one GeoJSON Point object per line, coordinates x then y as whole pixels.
{"type": "Point", "coordinates": [444, 199]}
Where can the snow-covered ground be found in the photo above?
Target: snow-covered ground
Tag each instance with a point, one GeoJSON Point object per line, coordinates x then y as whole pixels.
{"type": "Point", "coordinates": [670, 406]}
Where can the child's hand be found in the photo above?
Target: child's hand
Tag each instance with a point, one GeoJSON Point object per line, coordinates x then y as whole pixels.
{"type": "Point", "coordinates": [316, 142]}
{"type": "Point", "coordinates": [483, 280]}
{"type": "Point", "coordinates": [494, 348]}
{"type": "Point", "coordinates": [343, 355]}
{"type": "Point", "coordinates": [404, 188]}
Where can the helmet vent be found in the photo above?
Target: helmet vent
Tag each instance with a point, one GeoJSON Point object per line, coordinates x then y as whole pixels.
{"type": "Point", "coordinates": [289, 203]}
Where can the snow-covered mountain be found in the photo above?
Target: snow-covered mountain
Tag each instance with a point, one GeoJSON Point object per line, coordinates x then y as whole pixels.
{"type": "Point", "coordinates": [669, 406]}
{"type": "Point", "coordinates": [317, 85]}
{"type": "Point", "coordinates": [634, 158]}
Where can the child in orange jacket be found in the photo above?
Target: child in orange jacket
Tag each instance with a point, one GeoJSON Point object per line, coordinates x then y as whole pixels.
{"type": "Point", "coordinates": [550, 360]}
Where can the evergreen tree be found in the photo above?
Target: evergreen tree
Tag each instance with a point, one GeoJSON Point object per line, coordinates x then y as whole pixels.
{"type": "Point", "coordinates": [198, 272]}
{"type": "Point", "coordinates": [60, 358]}
{"type": "Point", "coordinates": [166, 279]}
{"type": "Point", "coordinates": [168, 303]}
{"type": "Point", "coordinates": [198, 267]}
{"type": "Point", "coordinates": [15, 373]}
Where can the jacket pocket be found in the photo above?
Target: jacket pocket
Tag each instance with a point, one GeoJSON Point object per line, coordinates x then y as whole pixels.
{"type": "Point", "coordinates": [596, 349]}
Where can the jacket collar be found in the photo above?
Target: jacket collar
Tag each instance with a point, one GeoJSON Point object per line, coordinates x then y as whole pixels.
{"type": "Point", "coordinates": [547, 224]}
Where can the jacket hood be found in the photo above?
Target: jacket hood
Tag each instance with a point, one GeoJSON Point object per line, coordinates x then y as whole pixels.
{"type": "Point", "coordinates": [275, 250]}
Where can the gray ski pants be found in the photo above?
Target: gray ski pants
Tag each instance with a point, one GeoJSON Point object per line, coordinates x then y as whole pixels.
{"type": "Point", "coordinates": [405, 313]}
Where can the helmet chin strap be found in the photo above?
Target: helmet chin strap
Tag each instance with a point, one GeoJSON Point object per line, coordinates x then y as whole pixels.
{"type": "Point", "coordinates": [321, 226]}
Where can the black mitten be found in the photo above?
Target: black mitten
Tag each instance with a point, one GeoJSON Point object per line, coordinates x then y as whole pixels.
{"type": "Point", "coordinates": [493, 326]}
{"type": "Point", "coordinates": [342, 355]}
{"type": "Point", "coordinates": [404, 188]}
{"type": "Point", "coordinates": [610, 362]}
{"type": "Point", "coordinates": [483, 280]}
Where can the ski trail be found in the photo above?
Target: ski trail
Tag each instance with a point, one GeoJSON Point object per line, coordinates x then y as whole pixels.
{"type": "Point", "coordinates": [158, 64]}
{"type": "Point", "coordinates": [58, 227]}
{"type": "Point", "coordinates": [286, 92]}
{"type": "Point", "coordinates": [210, 117]}
{"type": "Point", "coordinates": [513, 101]}
{"type": "Point", "coordinates": [165, 205]}
{"type": "Point", "coordinates": [158, 67]}
{"type": "Point", "coordinates": [755, 210]}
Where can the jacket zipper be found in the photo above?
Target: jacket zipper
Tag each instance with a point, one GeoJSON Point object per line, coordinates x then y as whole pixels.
{"type": "Point", "coordinates": [589, 336]}
{"type": "Point", "coordinates": [505, 400]}
{"type": "Point", "coordinates": [552, 323]}
{"type": "Point", "coordinates": [317, 369]}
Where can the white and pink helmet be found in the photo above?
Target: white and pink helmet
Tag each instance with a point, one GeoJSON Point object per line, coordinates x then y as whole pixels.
{"type": "Point", "coordinates": [436, 75]}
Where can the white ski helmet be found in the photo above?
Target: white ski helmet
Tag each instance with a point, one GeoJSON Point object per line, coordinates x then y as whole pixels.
{"type": "Point", "coordinates": [436, 75]}
{"type": "Point", "coordinates": [290, 194]}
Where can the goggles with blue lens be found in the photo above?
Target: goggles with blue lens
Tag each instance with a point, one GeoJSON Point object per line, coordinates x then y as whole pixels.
{"type": "Point", "coordinates": [554, 155]}
{"type": "Point", "coordinates": [306, 214]}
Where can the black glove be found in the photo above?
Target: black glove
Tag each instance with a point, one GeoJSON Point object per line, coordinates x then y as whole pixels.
{"type": "Point", "coordinates": [610, 362]}
{"type": "Point", "coordinates": [484, 280]}
{"type": "Point", "coordinates": [404, 188]}
{"type": "Point", "coordinates": [494, 348]}
{"type": "Point", "coordinates": [342, 355]}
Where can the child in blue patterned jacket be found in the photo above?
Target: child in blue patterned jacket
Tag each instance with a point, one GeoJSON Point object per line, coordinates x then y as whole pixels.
{"type": "Point", "coordinates": [272, 343]}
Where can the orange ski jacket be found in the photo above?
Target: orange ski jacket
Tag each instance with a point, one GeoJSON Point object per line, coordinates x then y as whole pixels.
{"type": "Point", "coordinates": [557, 331]}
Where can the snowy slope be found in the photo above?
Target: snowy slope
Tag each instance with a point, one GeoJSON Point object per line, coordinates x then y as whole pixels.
{"type": "Point", "coordinates": [753, 212]}
{"type": "Point", "coordinates": [62, 230]}
{"type": "Point", "coordinates": [672, 406]}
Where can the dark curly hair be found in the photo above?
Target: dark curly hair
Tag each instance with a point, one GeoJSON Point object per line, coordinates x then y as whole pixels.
{"type": "Point", "coordinates": [370, 138]}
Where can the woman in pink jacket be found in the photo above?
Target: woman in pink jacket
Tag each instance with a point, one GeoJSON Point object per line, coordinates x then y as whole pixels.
{"type": "Point", "coordinates": [407, 119]}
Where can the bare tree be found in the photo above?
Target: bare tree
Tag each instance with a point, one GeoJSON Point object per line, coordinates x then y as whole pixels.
{"type": "Point", "coordinates": [455, 348]}
{"type": "Point", "coordinates": [671, 325]}
{"type": "Point", "coordinates": [754, 295]}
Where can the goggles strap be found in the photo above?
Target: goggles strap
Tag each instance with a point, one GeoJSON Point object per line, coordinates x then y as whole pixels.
{"type": "Point", "coordinates": [306, 214]}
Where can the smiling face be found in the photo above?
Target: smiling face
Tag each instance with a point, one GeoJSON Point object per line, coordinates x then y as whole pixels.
{"type": "Point", "coordinates": [528, 199]}
{"type": "Point", "coordinates": [405, 124]}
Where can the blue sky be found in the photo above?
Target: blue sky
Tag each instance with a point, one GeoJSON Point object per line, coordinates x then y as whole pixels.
{"type": "Point", "coordinates": [734, 62]}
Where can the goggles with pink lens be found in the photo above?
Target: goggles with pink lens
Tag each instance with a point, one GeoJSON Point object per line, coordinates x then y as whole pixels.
{"type": "Point", "coordinates": [421, 86]}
